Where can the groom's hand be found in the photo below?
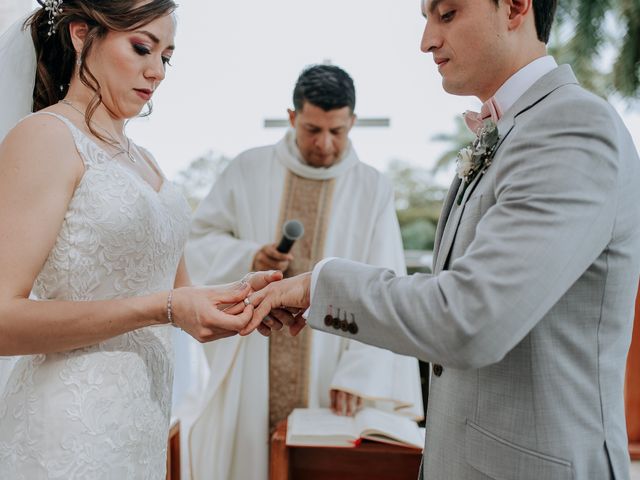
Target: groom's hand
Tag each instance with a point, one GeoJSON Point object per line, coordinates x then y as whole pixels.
{"type": "Point", "coordinates": [256, 281]}
{"type": "Point", "coordinates": [281, 299]}
{"type": "Point", "coordinates": [281, 317]}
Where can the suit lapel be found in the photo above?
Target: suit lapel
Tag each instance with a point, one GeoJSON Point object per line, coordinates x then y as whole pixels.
{"type": "Point", "coordinates": [540, 90]}
{"type": "Point", "coordinates": [451, 227]}
{"type": "Point", "coordinates": [444, 216]}
{"type": "Point", "coordinates": [455, 214]}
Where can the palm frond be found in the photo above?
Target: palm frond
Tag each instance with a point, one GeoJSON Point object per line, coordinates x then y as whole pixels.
{"type": "Point", "coordinates": [460, 138]}
{"type": "Point", "coordinates": [626, 69]}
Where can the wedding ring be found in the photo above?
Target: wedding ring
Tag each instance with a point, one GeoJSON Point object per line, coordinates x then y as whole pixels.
{"type": "Point", "coordinates": [246, 302]}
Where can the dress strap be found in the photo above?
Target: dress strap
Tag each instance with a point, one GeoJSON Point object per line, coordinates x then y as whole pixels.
{"type": "Point", "coordinates": [82, 142]}
{"type": "Point", "coordinates": [151, 160]}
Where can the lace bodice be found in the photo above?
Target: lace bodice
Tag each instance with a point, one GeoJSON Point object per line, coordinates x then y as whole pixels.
{"type": "Point", "coordinates": [101, 411]}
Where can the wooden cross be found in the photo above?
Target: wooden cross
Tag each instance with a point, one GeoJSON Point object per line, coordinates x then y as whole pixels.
{"type": "Point", "coordinates": [383, 122]}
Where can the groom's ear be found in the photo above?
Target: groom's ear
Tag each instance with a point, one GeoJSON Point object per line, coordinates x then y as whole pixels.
{"type": "Point", "coordinates": [518, 12]}
{"type": "Point", "coordinates": [78, 32]}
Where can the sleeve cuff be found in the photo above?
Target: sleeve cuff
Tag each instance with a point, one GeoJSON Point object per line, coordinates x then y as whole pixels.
{"type": "Point", "coordinates": [314, 280]}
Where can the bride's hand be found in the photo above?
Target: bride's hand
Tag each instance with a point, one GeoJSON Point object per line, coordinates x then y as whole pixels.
{"type": "Point", "coordinates": [196, 310]}
{"type": "Point", "coordinates": [212, 313]}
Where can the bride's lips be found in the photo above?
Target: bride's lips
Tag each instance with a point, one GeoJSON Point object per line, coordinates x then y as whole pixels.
{"type": "Point", "coordinates": [144, 93]}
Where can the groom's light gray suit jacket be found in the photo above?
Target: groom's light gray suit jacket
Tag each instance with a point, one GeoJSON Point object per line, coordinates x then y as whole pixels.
{"type": "Point", "coordinates": [529, 311]}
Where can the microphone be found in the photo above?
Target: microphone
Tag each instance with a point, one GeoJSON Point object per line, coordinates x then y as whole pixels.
{"type": "Point", "coordinates": [292, 230]}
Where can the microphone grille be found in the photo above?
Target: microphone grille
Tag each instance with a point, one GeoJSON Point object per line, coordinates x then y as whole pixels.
{"type": "Point", "coordinates": [293, 229]}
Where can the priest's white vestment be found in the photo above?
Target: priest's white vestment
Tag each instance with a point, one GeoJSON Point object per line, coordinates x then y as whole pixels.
{"type": "Point", "coordinates": [227, 432]}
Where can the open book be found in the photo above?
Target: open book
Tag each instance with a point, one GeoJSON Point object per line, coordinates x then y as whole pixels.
{"type": "Point", "coordinates": [320, 427]}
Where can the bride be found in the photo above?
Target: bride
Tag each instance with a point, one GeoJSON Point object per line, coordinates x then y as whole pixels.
{"type": "Point", "coordinates": [91, 269]}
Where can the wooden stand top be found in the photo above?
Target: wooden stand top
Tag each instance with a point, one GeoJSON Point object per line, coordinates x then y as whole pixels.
{"type": "Point", "coordinates": [632, 388]}
{"type": "Point", "coordinates": [369, 460]}
{"type": "Point", "coordinates": [173, 451]}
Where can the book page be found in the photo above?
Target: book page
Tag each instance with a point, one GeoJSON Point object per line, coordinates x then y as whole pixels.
{"type": "Point", "coordinates": [320, 426]}
{"type": "Point", "coordinates": [389, 428]}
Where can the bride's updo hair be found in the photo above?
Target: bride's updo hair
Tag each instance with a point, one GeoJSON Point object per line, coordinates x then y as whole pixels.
{"type": "Point", "coordinates": [55, 53]}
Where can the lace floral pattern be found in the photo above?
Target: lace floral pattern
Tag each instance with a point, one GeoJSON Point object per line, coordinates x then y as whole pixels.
{"type": "Point", "coordinates": [100, 412]}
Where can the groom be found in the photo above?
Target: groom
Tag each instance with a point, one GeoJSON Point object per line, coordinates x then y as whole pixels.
{"type": "Point", "coordinates": [527, 316]}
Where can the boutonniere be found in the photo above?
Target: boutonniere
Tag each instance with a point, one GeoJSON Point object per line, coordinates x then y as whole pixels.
{"type": "Point", "coordinates": [476, 158]}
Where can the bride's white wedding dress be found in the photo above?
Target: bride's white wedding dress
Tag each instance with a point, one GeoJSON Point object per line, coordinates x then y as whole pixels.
{"type": "Point", "coordinates": [100, 412]}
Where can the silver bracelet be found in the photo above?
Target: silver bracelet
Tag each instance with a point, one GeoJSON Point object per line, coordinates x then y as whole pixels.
{"type": "Point", "coordinates": [170, 308]}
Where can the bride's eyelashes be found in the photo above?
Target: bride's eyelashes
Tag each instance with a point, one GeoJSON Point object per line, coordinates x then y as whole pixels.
{"type": "Point", "coordinates": [142, 50]}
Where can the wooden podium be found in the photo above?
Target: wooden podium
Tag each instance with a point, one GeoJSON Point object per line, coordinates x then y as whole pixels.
{"type": "Point", "coordinates": [632, 388]}
{"type": "Point", "coordinates": [173, 452]}
{"type": "Point", "coordinates": [369, 460]}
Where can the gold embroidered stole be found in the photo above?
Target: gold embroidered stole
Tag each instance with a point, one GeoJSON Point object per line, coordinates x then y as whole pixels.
{"type": "Point", "coordinates": [308, 201]}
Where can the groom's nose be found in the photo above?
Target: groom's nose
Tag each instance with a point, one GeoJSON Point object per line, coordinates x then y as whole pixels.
{"type": "Point", "coordinates": [431, 40]}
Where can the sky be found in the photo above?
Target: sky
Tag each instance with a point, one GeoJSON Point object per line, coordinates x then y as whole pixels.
{"type": "Point", "coordinates": [236, 63]}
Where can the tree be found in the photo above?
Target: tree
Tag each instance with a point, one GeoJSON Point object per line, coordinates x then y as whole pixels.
{"type": "Point", "coordinates": [197, 179]}
{"type": "Point", "coordinates": [583, 32]}
{"type": "Point", "coordinates": [418, 204]}
{"type": "Point", "coordinates": [460, 138]}
{"type": "Point", "coordinates": [587, 31]}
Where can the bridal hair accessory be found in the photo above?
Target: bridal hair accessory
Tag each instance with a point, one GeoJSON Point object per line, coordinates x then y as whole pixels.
{"type": "Point", "coordinates": [54, 7]}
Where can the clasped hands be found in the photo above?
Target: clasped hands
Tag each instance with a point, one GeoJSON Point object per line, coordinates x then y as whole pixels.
{"type": "Point", "coordinates": [281, 304]}
{"type": "Point", "coordinates": [275, 302]}
{"type": "Point", "coordinates": [261, 300]}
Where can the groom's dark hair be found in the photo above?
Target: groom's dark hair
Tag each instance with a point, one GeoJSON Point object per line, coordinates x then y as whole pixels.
{"type": "Point", "coordinates": [325, 86]}
{"type": "Point", "coordinates": [544, 11]}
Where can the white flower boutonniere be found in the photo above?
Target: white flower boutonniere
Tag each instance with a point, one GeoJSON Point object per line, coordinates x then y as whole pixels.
{"type": "Point", "coordinates": [476, 158]}
{"type": "Point", "coordinates": [464, 162]}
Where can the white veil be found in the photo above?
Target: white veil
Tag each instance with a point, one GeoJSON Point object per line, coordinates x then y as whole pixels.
{"type": "Point", "coordinates": [17, 76]}
{"type": "Point", "coordinates": [17, 79]}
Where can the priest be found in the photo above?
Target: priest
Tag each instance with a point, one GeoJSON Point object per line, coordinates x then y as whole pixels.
{"type": "Point", "coordinates": [312, 175]}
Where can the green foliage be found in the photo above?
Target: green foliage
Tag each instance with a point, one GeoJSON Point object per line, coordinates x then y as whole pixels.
{"type": "Point", "coordinates": [418, 204]}
{"type": "Point", "coordinates": [460, 138]}
{"type": "Point", "coordinates": [585, 30]}
{"type": "Point", "coordinates": [419, 234]}
{"type": "Point", "coordinates": [626, 69]}
{"type": "Point", "coordinates": [600, 39]}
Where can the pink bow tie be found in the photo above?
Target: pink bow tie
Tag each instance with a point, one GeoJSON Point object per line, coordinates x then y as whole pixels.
{"type": "Point", "coordinates": [490, 109]}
